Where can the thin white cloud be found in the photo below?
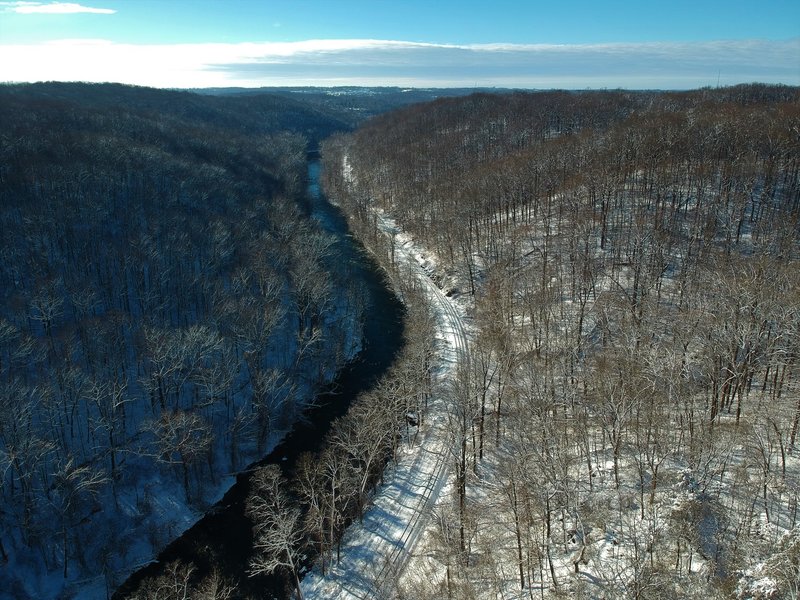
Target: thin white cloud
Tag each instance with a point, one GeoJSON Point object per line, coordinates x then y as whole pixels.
{"type": "Point", "coordinates": [13, 6]}
{"type": "Point", "coordinates": [53, 8]}
{"type": "Point", "coordinates": [388, 62]}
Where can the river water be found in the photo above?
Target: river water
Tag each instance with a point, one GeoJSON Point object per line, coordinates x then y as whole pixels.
{"type": "Point", "coordinates": [222, 539]}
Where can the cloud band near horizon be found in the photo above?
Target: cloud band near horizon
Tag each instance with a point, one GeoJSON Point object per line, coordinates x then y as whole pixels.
{"type": "Point", "coordinates": [664, 65]}
{"type": "Point", "coordinates": [24, 7]}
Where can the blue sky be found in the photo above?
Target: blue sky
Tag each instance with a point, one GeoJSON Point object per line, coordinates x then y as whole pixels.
{"type": "Point", "coordinates": [534, 44]}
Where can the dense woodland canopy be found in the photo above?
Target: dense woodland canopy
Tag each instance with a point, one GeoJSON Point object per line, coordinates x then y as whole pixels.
{"type": "Point", "coordinates": [628, 424]}
{"type": "Point", "coordinates": [166, 305]}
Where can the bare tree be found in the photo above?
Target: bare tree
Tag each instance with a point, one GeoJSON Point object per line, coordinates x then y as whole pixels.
{"type": "Point", "coordinates": [173, 584]}
{"type": "Point", "coordinates": [182, 438]}
{"type": "Point", "coordinates": [109, 399]}
{"type": "Point", "coordinates": [365, 435]}
{"type": "Point", "coordinates": [273, 394]}
{"type": "Point", "coordinates": [310, 485]}
{"type": "Point", "coordinates": [277, 526]}
{"type": "Point", "coordinates": [73, 486]}
{"type": "Point", "coordinates": [462, 414]}
{"type": "Point", "coordinates": [215, 587]}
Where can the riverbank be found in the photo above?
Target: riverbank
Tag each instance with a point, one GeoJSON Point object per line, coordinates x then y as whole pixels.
{"type": "Point", "coordinates": [222, 539]}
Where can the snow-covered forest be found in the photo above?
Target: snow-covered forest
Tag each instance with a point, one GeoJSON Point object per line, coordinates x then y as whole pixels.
{"type": "Point", "coordinates": [626, 424]}
{"type": "Point", "coordinates": [619, 412]}
{"type": "Point", "coordinates": [167, 309]}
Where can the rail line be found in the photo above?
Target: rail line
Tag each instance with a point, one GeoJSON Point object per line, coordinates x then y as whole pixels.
{"type": "Point", "coordinates": [409, 497]}
{"type": "Point", "coordinates": [451, 327]}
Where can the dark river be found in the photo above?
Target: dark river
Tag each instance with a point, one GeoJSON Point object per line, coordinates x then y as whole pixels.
{"type": "Point", "coordinates": [222, 539]}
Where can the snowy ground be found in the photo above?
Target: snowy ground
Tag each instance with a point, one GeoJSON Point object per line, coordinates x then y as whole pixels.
{"type": "Point", "coordinates": [600, 546]}
{"type": "Point", "coordinates": [375, 552]}
{"type": "Point", "coordinates": [396, 545]}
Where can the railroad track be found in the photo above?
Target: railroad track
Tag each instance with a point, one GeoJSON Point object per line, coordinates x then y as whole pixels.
{"type": "Point", "coordinates": [394, 525]}
{"type": "Point", "coordinates": [450, 326]}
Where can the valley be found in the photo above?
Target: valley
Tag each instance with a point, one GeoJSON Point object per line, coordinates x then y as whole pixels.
{"type": "Point", "coordinates": [399, 343]}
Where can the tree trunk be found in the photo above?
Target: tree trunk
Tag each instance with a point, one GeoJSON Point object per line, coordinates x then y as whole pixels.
{"type": "Point", "coordinates": [66, 561]}
{"type": "Point", "coordinates": [518, 533]}
{"type": "Point", "coordinates": [297, 584]}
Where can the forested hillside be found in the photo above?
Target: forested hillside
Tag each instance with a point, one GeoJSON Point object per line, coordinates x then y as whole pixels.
{"type": "Point", "coordinates": [167, 307]}
{"type": "Point", "coordinates": [348, 103]}
{"type": "Point", "coordinates": [627, 423]}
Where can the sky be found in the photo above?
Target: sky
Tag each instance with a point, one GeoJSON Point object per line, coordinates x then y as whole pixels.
{"type": "Point", "coordinates": [571, 44]}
